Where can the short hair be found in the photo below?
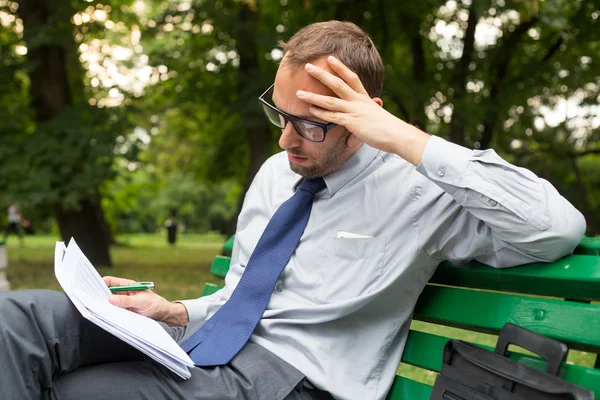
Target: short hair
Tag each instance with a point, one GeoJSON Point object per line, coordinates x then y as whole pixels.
{"type": "Point", "coordinates": [345, 40]}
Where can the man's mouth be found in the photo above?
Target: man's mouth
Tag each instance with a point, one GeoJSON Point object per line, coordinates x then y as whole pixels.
{"type": "Point", "coordinates": [297, 158]}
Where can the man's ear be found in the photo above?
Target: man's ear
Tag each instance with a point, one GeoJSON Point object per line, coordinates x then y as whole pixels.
{"type": "Point", "coordinates": [353, 142]}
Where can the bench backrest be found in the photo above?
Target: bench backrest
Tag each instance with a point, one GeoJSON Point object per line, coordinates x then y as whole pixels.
{"type": "Point", "coordinates": [558, 300]}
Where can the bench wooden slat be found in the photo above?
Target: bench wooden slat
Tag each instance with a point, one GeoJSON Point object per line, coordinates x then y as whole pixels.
{"type": "Point", "coordinates": [589, 245]}
{"type": "Point", "coordinates": [573, 277]}
{"type": "Point", "coordinates": [404, 388]}
{"type": "Point", "coordinates": [425, 350]}
{"type": "Point", "coordinates": [210, 288]}
{"type": "Point", "coordinates": [228, 246]}
{"type": "Point", "coordinates": [220, 266]}
{"type": "Point", "coordinates": [488, 312]}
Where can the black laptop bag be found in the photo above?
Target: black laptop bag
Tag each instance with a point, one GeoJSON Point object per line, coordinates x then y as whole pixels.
{"type": "Point", "coordinates": [470, 372]}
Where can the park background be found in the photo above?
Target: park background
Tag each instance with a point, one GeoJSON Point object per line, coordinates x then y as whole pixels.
{"type": "Point", "coordinates": [115, 113]}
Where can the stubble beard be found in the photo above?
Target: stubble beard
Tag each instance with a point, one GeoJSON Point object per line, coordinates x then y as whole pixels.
{"type": "Point", "coordinates": [333, 159]}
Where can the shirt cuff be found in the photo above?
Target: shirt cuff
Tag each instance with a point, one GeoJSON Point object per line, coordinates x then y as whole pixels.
{"type": "Point", "coordinates": [197, 311]}
{"type": "Point", "coordinates": [444, 162]}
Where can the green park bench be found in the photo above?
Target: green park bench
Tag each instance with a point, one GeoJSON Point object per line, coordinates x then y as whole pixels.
{"type": "Point", "coordinates": [559, 300]}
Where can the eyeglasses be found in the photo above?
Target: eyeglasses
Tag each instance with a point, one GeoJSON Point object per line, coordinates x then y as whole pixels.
{"type": "Point", "coordinates": [309, 130]}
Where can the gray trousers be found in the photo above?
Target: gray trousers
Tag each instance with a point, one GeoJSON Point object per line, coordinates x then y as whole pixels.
{"type": "Point", "coordinates": [49, 351]}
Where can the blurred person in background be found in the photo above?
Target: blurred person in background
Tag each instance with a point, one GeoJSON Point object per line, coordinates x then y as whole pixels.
{"type": "Point", "coordinates": [14, 222]}
{"type": "Point", "coordinates": [171, 226]}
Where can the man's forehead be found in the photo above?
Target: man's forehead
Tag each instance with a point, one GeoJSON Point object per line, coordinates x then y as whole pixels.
{"type": "Point", "coordinates": [296, 78]}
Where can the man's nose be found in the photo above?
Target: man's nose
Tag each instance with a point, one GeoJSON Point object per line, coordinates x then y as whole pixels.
{"type": "Point", "coordinates": [289, 137]}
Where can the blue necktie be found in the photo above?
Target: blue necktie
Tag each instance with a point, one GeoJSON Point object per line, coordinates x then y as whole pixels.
{"type": "Point", "coordinates": [228, 330]}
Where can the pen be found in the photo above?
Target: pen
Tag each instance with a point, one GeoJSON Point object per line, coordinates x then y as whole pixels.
{"type": "Point", "coordinates": [132, 286]}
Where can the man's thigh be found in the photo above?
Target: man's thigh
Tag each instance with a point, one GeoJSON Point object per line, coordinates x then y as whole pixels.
{"type": "Point", "coordinates": [253, 374]}
{"type": "Point", "coordinates": [132, 380]}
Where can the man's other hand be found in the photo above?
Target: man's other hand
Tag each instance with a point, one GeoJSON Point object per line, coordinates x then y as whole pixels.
{"type": "Point", "coordinates": [147, 303]}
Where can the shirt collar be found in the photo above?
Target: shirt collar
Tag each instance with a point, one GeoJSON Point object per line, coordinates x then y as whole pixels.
{"type": "Point", "coordinates": [356, 164]}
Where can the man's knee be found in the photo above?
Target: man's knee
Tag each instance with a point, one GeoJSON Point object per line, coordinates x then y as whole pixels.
{"type": "Point", "coordinates": [15, 305]}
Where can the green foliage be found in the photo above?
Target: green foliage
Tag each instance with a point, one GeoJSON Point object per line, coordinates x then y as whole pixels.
{"type": "Point", "coordinates": [139, 202]}
{"type": "Point", "coordinates": [197, 120]}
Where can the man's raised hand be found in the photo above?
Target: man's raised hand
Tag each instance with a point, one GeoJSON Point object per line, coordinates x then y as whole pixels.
{"type": "Point", "coordinates": [362, 115]}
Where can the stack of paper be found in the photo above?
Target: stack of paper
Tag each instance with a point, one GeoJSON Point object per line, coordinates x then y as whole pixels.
{"type": "Point", "coordinates": [88, 292]}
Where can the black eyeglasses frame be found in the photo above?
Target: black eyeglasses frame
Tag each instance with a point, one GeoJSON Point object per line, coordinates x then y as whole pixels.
{"type": "Point", "coordinates": [291, 118]}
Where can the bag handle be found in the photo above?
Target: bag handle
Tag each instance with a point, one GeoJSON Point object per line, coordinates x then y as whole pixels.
{"type": "Point", "coordinates": [553, 351]}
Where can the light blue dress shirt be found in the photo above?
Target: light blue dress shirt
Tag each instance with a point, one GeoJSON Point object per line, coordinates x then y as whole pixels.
{"type": "Point", "coordinates": [341, 309]}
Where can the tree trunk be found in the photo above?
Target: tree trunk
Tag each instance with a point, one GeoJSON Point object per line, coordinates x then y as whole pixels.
{"type": "Point", "coordinates": [51, 93]}
{"type": "Point", "coordinates": [501, 61]}
{"type": "Point", "coordinates": [257, 130]}
{"type": "Point", "coordinates": [414, 107]}
{"type": "Point", "coordinates": [459, 82]}
{"type": "Point", "coordinates": [419, 75]}
{"type": "Point", "coordinates": [87, 228]}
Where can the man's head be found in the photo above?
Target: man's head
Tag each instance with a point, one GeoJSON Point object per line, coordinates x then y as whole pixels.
{"type": "Point", "coordinates": [312, 44]}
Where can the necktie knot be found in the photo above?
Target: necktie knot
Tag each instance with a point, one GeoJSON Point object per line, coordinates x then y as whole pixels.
{"type": "Point", "coordinates": [313, 186]}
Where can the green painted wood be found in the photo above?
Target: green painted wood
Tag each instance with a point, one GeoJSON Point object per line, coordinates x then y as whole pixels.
{"type": "Point", "coordinates": [228, 246]}
{"type": "Point", "coordinates": [425, 350]}
{"type": "Point", "coordinates": [576, 324]}
{"type": "Point", "coordinates": [589, 245]}
{"type": "Point", "coordinates": [573, 277]}
{"type": "Point", "coordinates": [406, 389]}
{"type": "Point", "coordinates": [220, 266]}
{"type": "Point", "coordinates": [210, 288]}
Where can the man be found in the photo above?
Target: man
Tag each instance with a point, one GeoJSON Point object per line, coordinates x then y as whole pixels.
{"type": "Point", "coordinates": [389, 202]}
{"type": "Point", "coordinates": [14, 222]}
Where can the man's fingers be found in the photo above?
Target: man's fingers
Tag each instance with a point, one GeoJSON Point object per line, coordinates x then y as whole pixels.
{"type": "Point", "coordinates": [114, 281]}
{"type": "Point", "coordinates": [324, 102]}
{"type": "Point", "coordinates": [125, 301]}
{"type": "Point", "coordinates": [346, 74]}
{"type": "Point", "coordinates": [326, 115]}
{"type": "Point", "coordinates": [117, 300]}
{"type": "Point", "coordinates": [333, 82]}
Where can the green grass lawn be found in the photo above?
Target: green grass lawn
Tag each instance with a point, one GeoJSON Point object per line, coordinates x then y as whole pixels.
{"type": "Point", "coordinates": [180, 273]}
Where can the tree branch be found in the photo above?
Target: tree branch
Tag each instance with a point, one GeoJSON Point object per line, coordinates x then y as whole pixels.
{"type": "Point", "coordinates": [459, 81]}
{"type": "Point", "coordinates": [419, 75]}
{"type": "Point", "coordinates": [584, 152]}
{"type": "Point", "coordinates": [553, 48]}
{"type": "Point", "coordinates": [502, 59]}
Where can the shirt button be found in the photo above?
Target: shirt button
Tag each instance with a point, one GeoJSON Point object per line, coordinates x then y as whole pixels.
{"type": "Point", "coordinates": [441, 171]}
{"type": "Point", "coordinates": [493, 202]}
{"type": "Point", "coordinates": [279, 287]}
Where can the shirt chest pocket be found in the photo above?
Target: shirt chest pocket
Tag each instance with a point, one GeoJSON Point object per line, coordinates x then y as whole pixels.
{"type": "Point", "coordinates": [349, 267]}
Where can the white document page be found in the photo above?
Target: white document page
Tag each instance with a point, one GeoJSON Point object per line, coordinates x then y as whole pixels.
{"type": "Point", "coordinates": [88, 292]}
